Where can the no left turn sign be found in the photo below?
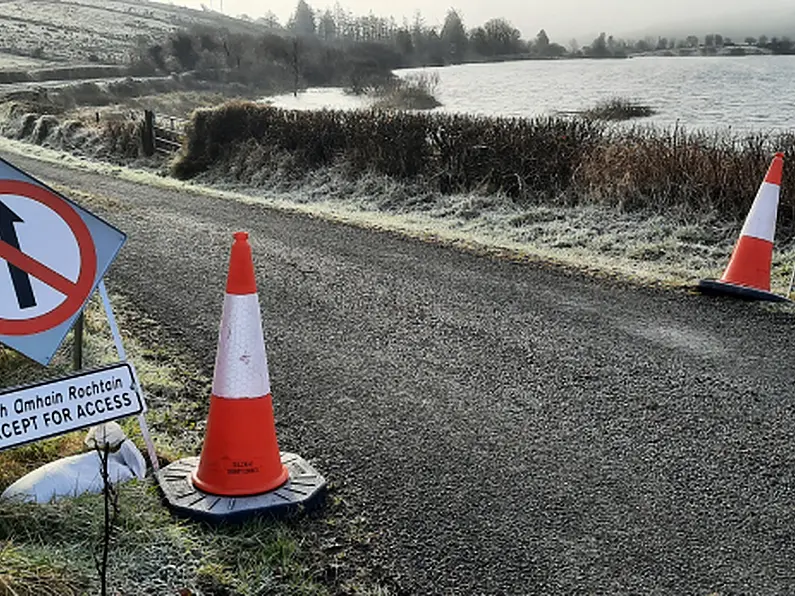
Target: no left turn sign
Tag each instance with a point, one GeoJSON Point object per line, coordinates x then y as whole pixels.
{"type": "Point", "coordinates": [53, 254]}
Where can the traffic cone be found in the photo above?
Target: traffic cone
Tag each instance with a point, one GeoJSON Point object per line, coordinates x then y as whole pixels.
{"type": "Point", "coordinates": [748, 273]}
{"type": "Point", "coordinates": [240, 456]}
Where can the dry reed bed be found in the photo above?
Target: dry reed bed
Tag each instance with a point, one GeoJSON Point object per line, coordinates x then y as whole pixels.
{"type": "Point", "coordinates": [543, 160]}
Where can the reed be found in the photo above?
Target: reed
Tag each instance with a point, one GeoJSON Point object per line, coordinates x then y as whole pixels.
{"type": "Point", "coordinates": [413, 92]}
{"type": "Point", "coordinates": [618, 109]}
{"type": "Point", "coordinates": [672, 169]}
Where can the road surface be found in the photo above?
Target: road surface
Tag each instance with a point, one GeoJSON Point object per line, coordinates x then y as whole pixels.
{"type": "Point", "coordinates": [505, 428]}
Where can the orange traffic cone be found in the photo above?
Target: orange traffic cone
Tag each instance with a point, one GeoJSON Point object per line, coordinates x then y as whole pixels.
{"type": "Point", "coordinates": [748, 273]}
{"type": "Point", "coordinates": [240, 456]}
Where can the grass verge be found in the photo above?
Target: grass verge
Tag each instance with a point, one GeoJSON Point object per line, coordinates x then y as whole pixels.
{"type": "Point", "coordinates": [48, 549]}
{"type": "Point", "coordinates": [641, 245]}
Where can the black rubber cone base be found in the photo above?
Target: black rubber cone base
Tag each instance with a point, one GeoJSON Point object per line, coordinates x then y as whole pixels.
{"type": "Point", "coordinates": [713, 287]}
{"type": "Point", "coordinates": [303, 487]}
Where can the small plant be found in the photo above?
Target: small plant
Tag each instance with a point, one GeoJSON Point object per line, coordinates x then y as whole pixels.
{"type": "Point", "coordinates": [618, 109]}
{"type": "Point", "coordinates": [104, 439]}
{"type": "Point", "coordinates": [111, 514]}
{"type": "Point", "coordinates": [413, 92]}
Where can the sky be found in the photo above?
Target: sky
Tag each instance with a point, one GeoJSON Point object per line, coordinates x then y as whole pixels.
{"type": "Point", "coordinates": [562, 19]}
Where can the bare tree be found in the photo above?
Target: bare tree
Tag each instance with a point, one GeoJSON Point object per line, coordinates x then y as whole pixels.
{"type": "Point", "coordinates": [296, 64]}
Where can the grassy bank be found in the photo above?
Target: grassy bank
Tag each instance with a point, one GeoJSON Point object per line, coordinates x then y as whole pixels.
{"type": "Point", "coordinates": [649, 244]}
{"type": "Point", "coordinates": [49, 549]}
{"type": "Point", "coordinates": [103, 121]}
{"type": "Point", "coordinates": [550, 161]}
{"type": "Point", "coordinates": [663, 205]}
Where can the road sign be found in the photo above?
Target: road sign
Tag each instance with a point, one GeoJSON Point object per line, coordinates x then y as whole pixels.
{"type": "Point", "coordinates": [53, 254]}
{"type": "Point", "coordinates": [58, 407]}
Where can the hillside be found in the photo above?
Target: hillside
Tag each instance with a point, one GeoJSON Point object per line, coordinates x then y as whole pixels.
{"type": "Point", "coordinates": [41, 32]}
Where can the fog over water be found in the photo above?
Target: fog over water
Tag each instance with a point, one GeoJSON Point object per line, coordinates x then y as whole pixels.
{"type": "Point", "coordinates": [562, 19]}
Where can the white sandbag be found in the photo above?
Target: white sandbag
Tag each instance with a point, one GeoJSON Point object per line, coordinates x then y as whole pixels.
{"type": "Point", "coordinates": [79, 474]}
{"type": "Point", "coordinates": [109, 433]}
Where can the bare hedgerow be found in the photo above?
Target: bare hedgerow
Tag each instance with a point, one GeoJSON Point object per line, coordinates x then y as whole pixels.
{"type": "Point", "coordinates": [618, 108]}
{"type": "Point", "coordinates": [122, 138]}
{"type": "Point", "coordinates": [532, 161]}
{"type": "Point", "coordinates": [450, 153]}
{"type": "Point", "coordinates": [673, 169]}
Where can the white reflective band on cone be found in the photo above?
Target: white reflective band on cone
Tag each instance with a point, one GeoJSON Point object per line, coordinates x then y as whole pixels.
{"type": "Point", "coordinates": [241, 367]}
{"type": "Point", "coordinates": [761, 220]}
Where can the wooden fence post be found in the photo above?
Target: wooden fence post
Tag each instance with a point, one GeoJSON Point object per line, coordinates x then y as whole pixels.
{"type": "Point", "coordinates": [148, 134]}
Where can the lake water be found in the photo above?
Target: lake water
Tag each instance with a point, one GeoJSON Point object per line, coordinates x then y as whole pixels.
{"type": "Point", "coordinates": [752, 93]}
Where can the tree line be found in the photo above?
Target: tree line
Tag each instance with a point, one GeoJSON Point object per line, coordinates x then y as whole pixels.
{"type": "Point", "coordinates": [708, 44]}
{"type": "Point", "coordinates": [417, 42]}
{"type": "Point", "coordinates": [334, 47]}
{"type": "Point", "coordinates": [420, 44]}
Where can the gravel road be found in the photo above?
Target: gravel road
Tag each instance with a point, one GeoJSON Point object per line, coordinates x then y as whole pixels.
{"type": "Point", "coordinates": [506, 428]}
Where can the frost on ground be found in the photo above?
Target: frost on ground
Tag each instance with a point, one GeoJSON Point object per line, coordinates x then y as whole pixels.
{"type": "Point", "coordinates": [14, 61]}
{"type": "Point", "coordinates": [97, 31]}
{"type": "Point", "coordinates": [676, 248]}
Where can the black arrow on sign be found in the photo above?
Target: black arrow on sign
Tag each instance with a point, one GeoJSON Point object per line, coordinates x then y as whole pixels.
{"type": "Point", "coordinates": [19, 278]}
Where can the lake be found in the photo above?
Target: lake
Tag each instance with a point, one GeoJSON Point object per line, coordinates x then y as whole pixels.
{"type": "Point", "coordinates": [752, 93]}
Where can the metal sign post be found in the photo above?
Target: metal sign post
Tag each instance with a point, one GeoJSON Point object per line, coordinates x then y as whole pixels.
{"type": "Point", "coordinates": [77, 347]}
{"type": "Point", "coordinates": [791, 282]}
{"type": "Point", "coordinates": [114, 329]}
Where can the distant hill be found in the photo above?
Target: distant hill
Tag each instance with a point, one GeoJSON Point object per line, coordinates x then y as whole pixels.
{"type": "Point", "coordinates": [99, 31]}
{"type": "Point", "coordinates": [771, 22]}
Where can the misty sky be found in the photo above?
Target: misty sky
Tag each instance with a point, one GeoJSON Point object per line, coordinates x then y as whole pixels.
{"type": "Point", "coordinates": [562, 19]}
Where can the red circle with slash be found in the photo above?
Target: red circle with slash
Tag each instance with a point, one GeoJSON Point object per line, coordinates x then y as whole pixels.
{"type": "Point", "coordinates": [76, 292]}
